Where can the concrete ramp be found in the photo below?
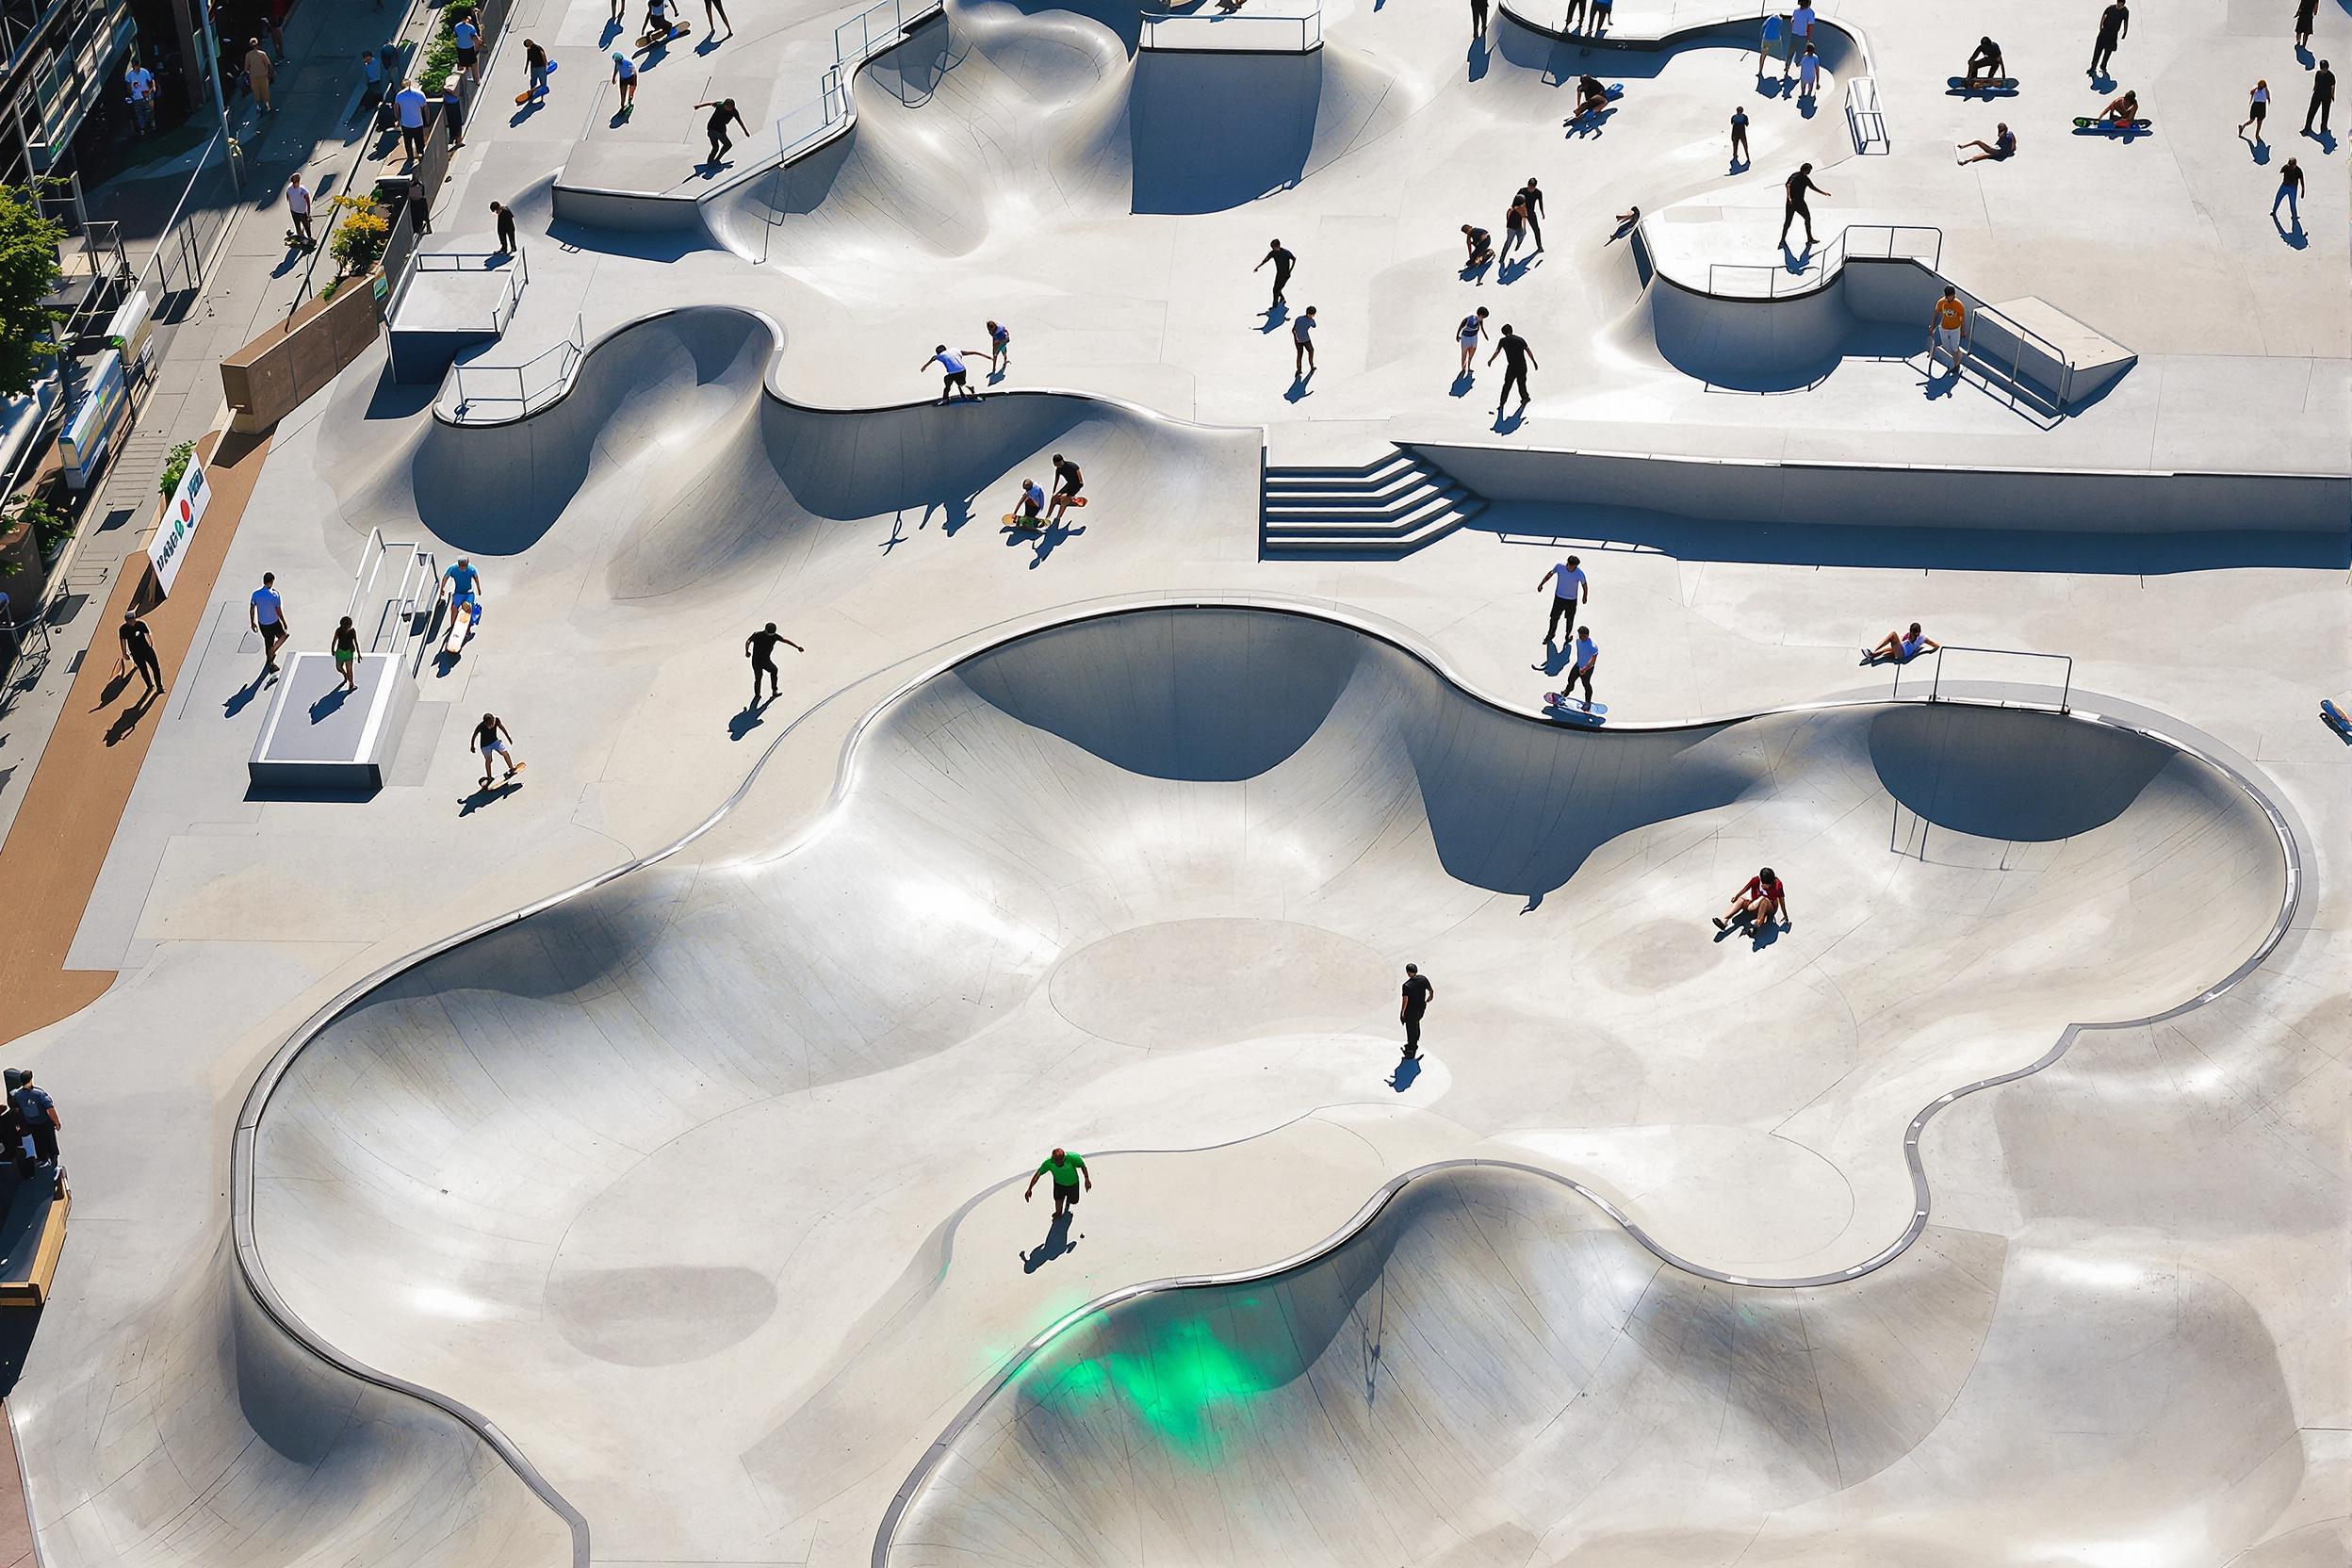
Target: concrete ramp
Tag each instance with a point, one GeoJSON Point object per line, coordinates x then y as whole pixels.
{"type": "Point", "coordinates": [1210, 130]}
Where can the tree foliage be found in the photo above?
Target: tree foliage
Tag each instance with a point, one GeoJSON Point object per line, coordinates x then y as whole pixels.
{"type": "Point", "coordinates": [28, 274]}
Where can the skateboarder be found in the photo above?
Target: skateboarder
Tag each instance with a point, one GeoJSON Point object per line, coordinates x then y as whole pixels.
{"type": "Point", "coordinates": [1532, 199]}
{"type": "Point", "coordinates": [1946, 323]}
{"type": "Point", "coordinates": [2322, 98]}
{"type": "Point", "coordinates": [1984, 63]}
{"type": "Point", "coordinates": [492, 739]}
{"type": "Point", "coordinates": [1517, 360]}
{"type": "Point", "coordinates": [625, 77]}
{"type": "Point", "coordinates": [1068, 482]}
{"type": "Point", "coordinates": [1473, 328]}
{"type": "Point", "coordinates": [1067, 1170]}
{"type": "Point", "coordinates": [1000, 349]}
{"type": "Point", "coordinates": [462, 583]}
{"type": "Point", "coordinates": [1283, 261]}
{"type": "Point", "coordinates": [759, 647]}
{"type": "Point", "coordinates": [2115, 23]}
{"type": "Point", "coordinates": [1414, 1004]}
{"type": "Point", "coordinates": [723, 113]}
{"type": "Point", "coordinates": [1799, 184]}
{"type": "Point", "coordinates": [505, 216]}
{"type": "Point", "coordinates": [1583, 658]}
{"type": "Point", "coordinates": [298, 209]}
{"type": "Point", "coordinates": [2004, 145]}
{"type": "Point", "coordinates": [1739, 154]}
{"type": "Point", "coordinates": [138, 649]}
{"type": "Point", "coordinates": [953, 375]}
{"type": "Point", "coordinates": [1764, 897]}
{"type": "Point", "coordinates": [1902, 647]}
{"type": "Point", "coordinates": [344, 645]}
{"type": "Point", "coordinates": [265, 612]}
{"type": "Point", "coordinates": [1571, 591]}
{"type": "Point", "coordinates": [1302, 346]}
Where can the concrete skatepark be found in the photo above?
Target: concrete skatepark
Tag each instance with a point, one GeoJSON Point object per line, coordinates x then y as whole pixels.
{"type": "Point", "coordinates": [624, 1166]}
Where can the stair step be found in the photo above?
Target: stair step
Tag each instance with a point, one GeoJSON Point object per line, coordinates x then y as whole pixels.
{"type": "Point", "coordinates": [1392, 494]}
{"type": "Point", "coordinates": [1395, 460]}
{"type": "Point", "coordinates": [1386, 527]}
{"type": "Point", "coordinates": [1340, 543]}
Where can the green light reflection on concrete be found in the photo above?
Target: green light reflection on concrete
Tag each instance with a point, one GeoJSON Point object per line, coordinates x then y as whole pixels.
{"type": "Point", "coordinates": [1174, 1371]}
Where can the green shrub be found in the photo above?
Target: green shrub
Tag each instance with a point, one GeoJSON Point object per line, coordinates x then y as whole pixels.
{"type": "Point", "coordinates": [360, 238]}
{"type": "Point", "coordinates": [51, 527]}
{"type": "Point", "coordinates": [441, 51]}
{"type": "Point", "coordinates": [175, 463]}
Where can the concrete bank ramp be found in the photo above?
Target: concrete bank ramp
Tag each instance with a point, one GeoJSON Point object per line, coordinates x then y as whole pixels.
{"type": "Point", "coordinates": [630, 1096]}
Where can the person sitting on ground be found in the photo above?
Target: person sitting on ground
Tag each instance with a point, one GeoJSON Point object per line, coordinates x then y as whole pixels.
{"type": "Point", "coordinates": [1764, 897]}
{"type": "Point", "coordinates": [1902, 647]}
{"type": "Point", "coordinates": [2124, 111]}
{"type": "Point", "coordinates": [2004, 145]}
{"type": "Point", "coordinates": [1985, 65]}
{"type": "Point", "coordinates": [1032, 501]}
{"type": "Point", "coordinates": [1480, 243]}
{"type": "Point", "coordinates": [1591, 97]}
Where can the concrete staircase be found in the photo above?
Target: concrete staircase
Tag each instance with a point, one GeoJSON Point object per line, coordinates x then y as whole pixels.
{"type": "Point", "coordinates": [1391, 506]}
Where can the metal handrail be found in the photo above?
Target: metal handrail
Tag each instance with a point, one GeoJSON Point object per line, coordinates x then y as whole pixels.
{"type": "Point", "coordinates": [1861, 108]}
{"type": "Point", "coordinates": [1936, 681]}
{"type": "Point", "coordinates": [1194, 31]}
{"type": "Point", "coordinates": [1779, 282]}
{"type": "Point", "coordinates": [567, 355]}
{"type": "Point", "coordinates": [421, 579]}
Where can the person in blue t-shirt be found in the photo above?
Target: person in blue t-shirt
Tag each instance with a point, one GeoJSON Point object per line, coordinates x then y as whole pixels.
{"type": "Point", "coordinates": [464, 585]}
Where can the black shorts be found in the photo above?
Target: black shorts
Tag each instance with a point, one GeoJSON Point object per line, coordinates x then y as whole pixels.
{"type": "Point", "coordinates": [955, 377]}
{"type": "Point", "coordinates": [1071, 488]}
{"type": "Point", "coordinates": [1067, 1194]}
{"type": "Point", "coordinates": [465, 57]}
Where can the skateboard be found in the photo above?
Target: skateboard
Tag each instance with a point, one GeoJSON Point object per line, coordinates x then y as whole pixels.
{"type": "Point", "coordinates": [1558, 705]}
{"type": "Point", "coordinates": [2334, 716]}
{"type": "Point", "coordinates": [1612, 91]}
{"type": "Point", "coordinates": [2085, 122]}
{"type": "Point", "coordinates": [296, 242]}
{"type": "Point", "coordinates": [651, 40]}
{"type": "Point", "coordinates": [1015, 522]}
{"type": "Point", "coordinates": [1989, 86]}
{"type": "Point", "coordinates": [627, 110]}
{"type": "Point", "coordinates": [461, 623]}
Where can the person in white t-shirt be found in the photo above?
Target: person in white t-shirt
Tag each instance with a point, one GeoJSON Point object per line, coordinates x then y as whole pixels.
{"type": "Point", "coordinates": [1570, 592]}
{"type": "Point", "coordinates": [298, 205]}
{"type": "Point", "coordinates": [410, 102]}
{"type": "Point", "coordinates": [1472, 329]}
{"type": "Point", "coordinates": [141, 83]}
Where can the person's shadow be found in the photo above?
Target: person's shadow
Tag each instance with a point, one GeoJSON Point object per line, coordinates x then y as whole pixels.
{"type": "Point", "coordinates": [1555, 658]}
{"type": "Point", "coordinates": [1479, 55]}
{"type": "Point", "coordinates": [235, 702]}
{"type": "Point", "coordinates": [1057, 1243]}
{"type": "Point", "coordinates": [128, 719]}
{"type": "Point", "coordinates": [747, 719]}
{"type": "Point", "coordinates": [1506, 423]}
{"type": "Point", "coordinates": [328, 704]}
{"type": "Point", "coordinates": [712, 170]}
{"type": "Point", "coordinates": [1475, 271]}
{"type": "Point", "coordinates": [2294, 236]}
{"type": "Point", "coordinates": [612, 31]}
{"type": "Point", "coordinates": [2327, 140]}
{"type": "Point", "coordinates": [2261, 151]}
{"type": "Point", "coordinates": [1275, 316]}
{"type": "Point", "coordinates": [1513, 270]}
{"type": "Point", "coordinates": [1463, 383]}
{"type": "Point", "coordinates": [1408, 1069]}
{"type": "Point", "coordinates": [1298, 390]}
{"type": "Point", "coordinates": [470, 804]}
{"type": "Point", "coordinates": [531, 106]}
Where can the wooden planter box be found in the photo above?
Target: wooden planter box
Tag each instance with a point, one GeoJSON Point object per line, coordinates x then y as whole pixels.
{"type": "Point", "coordinates": [273, 375]}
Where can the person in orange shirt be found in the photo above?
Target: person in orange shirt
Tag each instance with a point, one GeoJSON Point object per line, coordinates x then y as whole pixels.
{"type": "Point", "coordinates": [1950, 321]}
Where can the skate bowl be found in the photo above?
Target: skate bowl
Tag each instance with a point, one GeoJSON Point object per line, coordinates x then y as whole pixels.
{"type": "Point", "coordinates": [1029, 850]}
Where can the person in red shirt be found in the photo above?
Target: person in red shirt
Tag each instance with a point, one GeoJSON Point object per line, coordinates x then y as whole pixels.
{"type": "Point", "coordinates": [1764, 897]}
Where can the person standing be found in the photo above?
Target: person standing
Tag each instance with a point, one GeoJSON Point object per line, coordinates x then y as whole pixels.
{"type": "Point", "coordinates": [2322, 98]}
{"type": "Point", "coordinates": [1477, 21]}
{"type": "Point", "coordinates": [467, 37]}
{"type": "Point", "coordinates": [953, 376]}
{"type": "Point", "coordinates": [39, 1115]}
{"type": "Point", "coordinates": [1946, 325]}
{"type": "Point", "coordinates": [1517, 360]}
{"type": "Point", "coordinates": [1302, 346]}
{"type": "Point", "coordinates": [372, 79]}
{"type": "Point", "coordinates": [1740, 155]}
{"type": "Point", "coordinates": [1532, 199]}
{"type": "Point", "coordinates": [2290, 192]}
{"type": "Point", "coordinates": [344, 645]}
{"type": "Point", "coordinates": [508, 245]}
{"type": "Point", "coordinates": [1799, 29]}
{"type": "Point", "coordinates": [1067, 1170]}
{"type": "Point", "coordinates": [298, 208]}
{"type": "Point", "coordinates": [1571, 592]}
{"type": "Point", "coordinates": [1775, 32]}
{"type": "Point", "coordinates": [1283, 261]}
{"type": "Point", "coordinates": [714, 12]}
{"type": "Point", "coordinates": [759, 647]}
{"type": "Point", "coordinates": [257, 74]}
{"type": "Point", "coordinates": [1809, 72]}
{"type": "Point", "coordinates": [277, 36]}
{"type": "Point", "coordinates": [266, 612]}
{"type": "Point", "coordinates": [492, 739]}
{"type": "Point", "coordinates": [140, 83]}
{"type": "Point", "coordinates": [1414, 1006]}
{"type": "Point", "coordinates": [1515, 229]}
{"type": "Point", "coordinates": [1800, 184]}
{"type": "Point", "coordinates": [409, 105]}
{"type": "Point", "coordinates": [138, 649]}
{"type": "Point", "coordinates": [1000, 349]}
{"type": "Point", "coordinates": [2306, 18]}
{"type": "Point", "coordinates": [2115, 24]}
{"type": "Point", "coordinates": [535, 69]}
{"type": "Point", "coordinates": [1472, 329]}
{"type": "Point", "coordinates": [624, 77]}
{"type": "Point", "coordinates": [2257, 109]}
{"type": "Point", "coordinates": [1584, 657]}
{"type": "Point", "coordinates": [723, 113]}
{"type": "Point", "coordinates": [1576, 16]}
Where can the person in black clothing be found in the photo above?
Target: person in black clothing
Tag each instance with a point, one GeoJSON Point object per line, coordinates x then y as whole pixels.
{"type": "Point", "coordinates": [2322, 98]}
{"type": "Point", "coordinates": [1418, 996]}
{"type": "Point", "coordinates": [1478, 243]}
{"type": "Point", "coordinates": [139, 649]}
{"type": "Point", "coordinates": [1739, 154]}
{"type": "Point", "coordinates": [759, 647]}
{"type": "Point", "coordinates": [1532, 199]}
{"type": "Point", "coordinates": [420, 206]}
{"type": "Point", "coordinates": [1068, 482]}
{"type": "Point", "coordinates": [1478, 20]}
{"type": "Point", "coordinates": [1283, 261]}
{"type": "Point", "coordinates": [2306, 17]}
{"type": "Point", "coordinates": [505, 214]}
{"type": "Point", "coordinates": [1513, 350]}
{"type": "Point", "coordinates": [2114, 23]}
{"type": "Point", "coordinates": [1985, 62]}
{"type": "Point", "coordinates": [1799, 184]}
{"type": "Point", "coordinates": [723, 113]}
{"type": "Point", "coordinates": [39, 1115]}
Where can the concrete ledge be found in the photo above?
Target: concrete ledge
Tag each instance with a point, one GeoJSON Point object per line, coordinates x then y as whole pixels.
{"type": "Point", "coordinates": [1904, 496]}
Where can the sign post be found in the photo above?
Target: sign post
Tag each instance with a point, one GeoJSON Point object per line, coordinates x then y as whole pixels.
{"type": "Point", "coordinates": [170, 545]}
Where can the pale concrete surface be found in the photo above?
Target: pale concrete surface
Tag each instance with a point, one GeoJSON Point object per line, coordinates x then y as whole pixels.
{"type": "Point", "coordinates": [726, 1242]}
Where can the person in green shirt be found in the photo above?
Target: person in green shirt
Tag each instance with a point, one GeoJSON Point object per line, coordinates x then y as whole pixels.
{"type": "Point", "coordinates": [1067, 1170]}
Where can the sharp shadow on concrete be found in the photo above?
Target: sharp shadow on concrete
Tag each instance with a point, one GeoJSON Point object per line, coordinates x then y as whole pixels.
{"type": "Point", "coordinates": [1057, 1243]}
{"type": "Point", "coordinates": [1408, 1069]}
{"type": "Point", "coordinates": [481, 796]}
{"type": "Point", "coordinates": [1275, 316]}
{"type": "Point", "coordinates": [745, 720]}
{"type": "Point", "coordinates": [1858, 545]}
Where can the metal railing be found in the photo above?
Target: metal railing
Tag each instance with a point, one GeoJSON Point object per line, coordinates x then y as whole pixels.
{"type": "Point", "coordinates": [1863, 116]}
{"type": "Point", "coordinates": [1935, 678]}
{"type": "Point", "coordinates": [1240, 31]}
{"type": "Point", "coordinates": [1744, 280]}
{"type": "Point", "coordinates": [404, 617]}
{"type": "Point", "coordinates": [514, 391]}
{"type": "Point", "coordinates": [2021, 337]}
{"type": "Point", "coordinates": [515, 278]}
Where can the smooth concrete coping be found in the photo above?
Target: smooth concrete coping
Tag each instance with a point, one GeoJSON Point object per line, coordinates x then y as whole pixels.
{"type": "Point", "coordinates": [1261, 27]}
{"type": "Point", "coordinates": [2082, 348]}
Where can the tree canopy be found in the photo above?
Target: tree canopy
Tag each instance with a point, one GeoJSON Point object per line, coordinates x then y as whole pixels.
{"type": "Point", "coordinates": [28, 273]}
